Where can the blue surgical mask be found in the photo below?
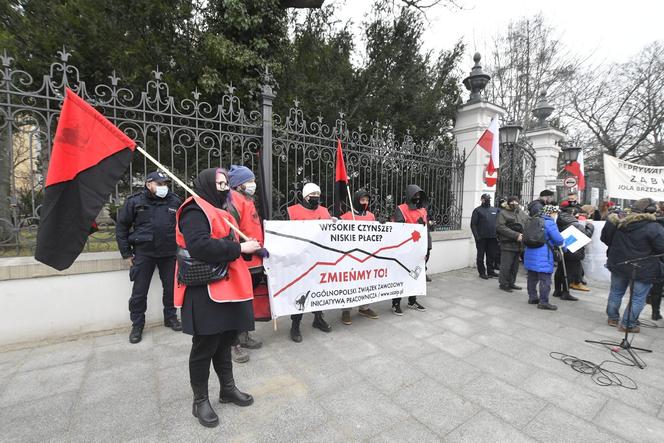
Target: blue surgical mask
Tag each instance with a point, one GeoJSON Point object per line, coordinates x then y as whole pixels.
{"type": "Point", "coordinates": [161, 191]}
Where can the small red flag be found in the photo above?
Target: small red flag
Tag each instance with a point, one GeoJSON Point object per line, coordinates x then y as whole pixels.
{"type": "Point", "coordinates": [341, 175]}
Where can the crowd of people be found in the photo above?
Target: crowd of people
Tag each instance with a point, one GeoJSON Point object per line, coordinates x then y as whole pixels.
{"type": "Point", "coordinates": [509, 234]}
{"type": "Point", "coordinates": [211, 273]}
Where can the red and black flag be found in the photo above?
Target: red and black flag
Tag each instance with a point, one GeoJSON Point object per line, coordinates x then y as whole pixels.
{"type": "Point", "coordinates": [340, 181]}
{"type": "Point", "coordinates": [89, 156]}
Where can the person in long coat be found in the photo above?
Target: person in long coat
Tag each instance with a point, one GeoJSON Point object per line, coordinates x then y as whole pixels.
{"type": "Point", "coordinates": [214, 323]}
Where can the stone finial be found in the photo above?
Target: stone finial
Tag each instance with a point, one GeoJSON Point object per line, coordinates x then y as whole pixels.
{"type": "Point", "coordinates": [476, 81]}
{"type": "Point", "coordinates": [542, 110]}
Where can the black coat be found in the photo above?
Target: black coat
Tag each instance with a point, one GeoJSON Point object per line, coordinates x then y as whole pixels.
{"type": "Point", "coordinates": [201, 315]}
{"type": "Point", "coordinates": [535, 207]}
{"type": "Point", "coordinates": [146, 225]}
{"type": "Point", "coordinates": [635, 236]}
{"type": "Point", "coordinates": [483, 222]}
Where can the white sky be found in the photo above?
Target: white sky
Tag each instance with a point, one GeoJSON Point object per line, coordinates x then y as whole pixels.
{"type": "Point", "coordinates": [606, 31]}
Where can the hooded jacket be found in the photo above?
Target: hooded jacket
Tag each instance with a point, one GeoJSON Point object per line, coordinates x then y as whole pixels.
{"type": "Point", "coordinates": [541, 259]}
{"type": "Point", "coordinates": [361, 213]}
{"type": "Point", "coordinates": [400, 217]}
{"type": "Point", "coordinates": [635, 236]}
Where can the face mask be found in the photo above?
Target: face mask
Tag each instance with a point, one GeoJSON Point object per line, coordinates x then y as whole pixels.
{"type": "Point", "coordinates": [313, 202]}
{"type": "Point", "coordinates": [514, 205]}
{"type": "Point", "coordinates": [223, 195]}
{"type": "Point", "coordinates": [161, 191]}
{"type": "Point", "coordinates": [486, 202]}
{"type": "Point", "coordinates": [250, 188]}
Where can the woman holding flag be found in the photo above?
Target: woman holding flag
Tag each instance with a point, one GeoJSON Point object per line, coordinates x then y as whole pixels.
{"type": "Point", "coordinates": [213, 313]}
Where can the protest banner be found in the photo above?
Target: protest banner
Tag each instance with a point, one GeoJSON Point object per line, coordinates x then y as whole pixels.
{"type": "Point", "coordinates": [632, 181]}
{"type": "Point", "coordinates": [316, 265]}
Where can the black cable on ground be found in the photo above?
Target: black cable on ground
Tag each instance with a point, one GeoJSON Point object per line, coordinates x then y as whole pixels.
{"type": "Point", "coordinates": [599, 373]}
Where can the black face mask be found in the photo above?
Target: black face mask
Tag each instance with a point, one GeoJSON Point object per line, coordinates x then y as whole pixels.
{"type": "Point", "coordinates": [313, 202]}
{"type": "Point", "coordinates": [223, 195]}
{"type": "Point", "coordinates": [486, 203]}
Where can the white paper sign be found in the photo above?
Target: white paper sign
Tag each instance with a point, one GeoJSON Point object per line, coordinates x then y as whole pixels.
{"type": "Point", "coordinates": [318, 265]}
{"type": "Point", "coordinates": [574, 239]}
{"type": "Point", "coordinates": [631, 181]}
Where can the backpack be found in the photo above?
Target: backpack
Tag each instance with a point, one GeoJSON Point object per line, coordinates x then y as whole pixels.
{"type": "Point", "coordinates": [533, 233]}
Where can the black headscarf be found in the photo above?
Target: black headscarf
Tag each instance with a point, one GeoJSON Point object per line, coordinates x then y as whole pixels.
{"type": "Point", "coordinates": [205, 185]}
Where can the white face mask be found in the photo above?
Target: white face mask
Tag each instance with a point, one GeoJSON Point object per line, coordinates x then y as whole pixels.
{"type": "Point", "coordinates": [250, 188]}
{"type": "Point", "coordinates": [161, 191]}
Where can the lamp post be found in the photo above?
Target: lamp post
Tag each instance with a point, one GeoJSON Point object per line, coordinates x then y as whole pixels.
{"type": "Point", "coordinates": [508, 135]}
{"type": "Point", "coordinates": [569, 153]}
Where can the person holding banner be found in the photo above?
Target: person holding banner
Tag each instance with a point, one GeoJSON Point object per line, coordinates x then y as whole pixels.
{"type": "Point", "coordinates": [414, 211]}
{"type": "Point", "coordinates": [637, 236]}
{"type": "Point", "coordinates": [573, 260]}
{"type": "Point", "coordinates": [243, 187]}
{"type": "Point", "coordinates": [213, 311]}
{"type": "Point", "coordinates": [360, 204]}
{"type": "Point", "coordinates": [309, 209]}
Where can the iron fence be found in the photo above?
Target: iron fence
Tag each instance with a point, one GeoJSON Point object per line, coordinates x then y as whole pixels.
{"type": "Point", "coordinates": [188, 135]}
{"type": "Point", "coordinates": [516, 175]}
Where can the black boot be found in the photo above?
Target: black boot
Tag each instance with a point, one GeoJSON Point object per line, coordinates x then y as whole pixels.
{"type": "Point", "coordinates": [229, 393]}
{"type": "Point", "coordinates": [656, 301]}
{"type": "Point", "coordinates": [202, 408]}
{"type": "Point", "coordinates": [295, 333]}
{"type": "Point", "coordinates": [136, 334]}
{"type": "Point", "coordinates": [320, 323]}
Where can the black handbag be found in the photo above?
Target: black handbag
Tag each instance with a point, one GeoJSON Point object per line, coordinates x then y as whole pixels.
{"type": "Point", "coordinates": [194, 272]}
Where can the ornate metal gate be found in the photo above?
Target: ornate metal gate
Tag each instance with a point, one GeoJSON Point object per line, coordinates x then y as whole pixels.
{"type": "Point", "coordinates": [517, 171]}
{"type": "Point", "coordinates": [188, 135]}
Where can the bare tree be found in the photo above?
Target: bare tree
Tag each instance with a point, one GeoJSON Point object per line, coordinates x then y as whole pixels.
{"type": "Point", "coordinates": [525, 60]}
{"type": "Point", "coordinates": [622, 107]}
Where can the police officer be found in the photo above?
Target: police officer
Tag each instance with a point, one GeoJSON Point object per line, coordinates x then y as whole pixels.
{"type": "Point", "coordinates": [145, 232]}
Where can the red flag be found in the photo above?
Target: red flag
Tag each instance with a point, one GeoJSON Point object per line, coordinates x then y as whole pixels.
{"type": "Point", "coordinates": [576, 168]}
{"type": "Point", "coordinates": [88, 158]}
{"type": "Point", "coordinates": [340, 175]}
{"type": "Point", "coordinates": [489, 142]}
{"type": "Point", "coordinates": [340, 181]}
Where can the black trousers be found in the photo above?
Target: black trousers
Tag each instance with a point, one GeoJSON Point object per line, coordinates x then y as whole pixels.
{"type": "Point", "coordinates": [412, 299]}
{"type": "Point", "coordinates": [509, 267]}
{"type": "Point", "coordinates": [205, 348]}
{"type": "Point", "coordinates": [573, 271]}
{"type": "Point", "coordinates": [141, 274]}
{"type": "Point", "coordinates": [486, 247]}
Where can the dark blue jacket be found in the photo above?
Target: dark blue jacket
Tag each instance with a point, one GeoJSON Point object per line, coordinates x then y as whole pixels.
{"type": "Point", "coordinates": [635, 236]}
{"type": "Point", "coordinates": [146, 225]}
{"type": "Point", "coordinates": [483, 222]}
{"type": "Point", "coordinates": [541, 259]}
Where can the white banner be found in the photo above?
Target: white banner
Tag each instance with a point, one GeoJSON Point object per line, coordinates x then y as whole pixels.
{"type": "Point", "coordinates": [631, 181]}
{"type": "Point", "coordinates": [319, 265]}
{"type": "Point", "coordinates": [595, 260]}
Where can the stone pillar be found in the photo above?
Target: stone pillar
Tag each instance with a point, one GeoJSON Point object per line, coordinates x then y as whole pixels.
{"type": "Point", "coordinates": [544, 141]}
{"type": "Point", "coordinates": [471, 122]}
{"type": "Point", "coordinates": [472, 119]}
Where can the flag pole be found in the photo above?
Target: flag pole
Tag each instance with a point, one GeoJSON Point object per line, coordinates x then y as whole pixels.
{"type": "Point", "coordinates": [184, 186]}
{"type": "Point", "coordinates": [352, 210]}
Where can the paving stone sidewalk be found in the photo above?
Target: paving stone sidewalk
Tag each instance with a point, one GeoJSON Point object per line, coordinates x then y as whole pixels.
{"type": "Point", "coordinates": [474, 367]}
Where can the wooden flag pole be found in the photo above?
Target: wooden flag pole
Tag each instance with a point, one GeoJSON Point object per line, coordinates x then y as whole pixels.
{"type": "Point", "coordinates": [184, 186]}
{"type": "Point", "coordinates": [352, 210]}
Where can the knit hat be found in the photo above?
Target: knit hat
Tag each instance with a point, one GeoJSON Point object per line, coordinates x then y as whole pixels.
{"type": "Point", "coordinates": [239, 175]}
{"type": "Point", "coordinates": [550, 209]}
{"type": "Point", "coordinates": [310, 188]}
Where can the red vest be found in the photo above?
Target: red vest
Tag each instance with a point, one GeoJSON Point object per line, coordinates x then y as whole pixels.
{"type": "Point", "coordinates": [367, 217]}
{"type": "Point", "coordinates": [299, 212]}
{"type": "Point", "coordinates": [250, 222]}
{"type": "Point", "coordinates": [237, 286]}
{"type": "Point", "coordinates": [412, 215]}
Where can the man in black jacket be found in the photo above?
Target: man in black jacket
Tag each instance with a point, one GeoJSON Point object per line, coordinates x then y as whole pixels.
{"type": "Point", "coordinates": [145, 232]}
{"type": "Point", "coordinates": [535, 207]}
{"type": "Point", "coordinates": [483, 225]}
{"type": "Point", "coordinates": [638, 235]}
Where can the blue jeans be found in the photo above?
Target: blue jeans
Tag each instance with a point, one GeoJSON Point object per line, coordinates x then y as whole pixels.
{"type": "Point", "coordinates": [619, 285]}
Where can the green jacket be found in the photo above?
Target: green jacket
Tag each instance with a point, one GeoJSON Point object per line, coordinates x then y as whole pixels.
{"type": "Point", "coordinates": [506, 223]}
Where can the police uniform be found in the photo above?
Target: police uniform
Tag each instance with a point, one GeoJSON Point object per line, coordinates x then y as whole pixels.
{"type": "Point", "coordinates": [145, 230]}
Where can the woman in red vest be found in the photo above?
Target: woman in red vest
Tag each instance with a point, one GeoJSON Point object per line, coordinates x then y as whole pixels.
{"type": "Point", "coordinates": [361, 201]}
{"type": "Point", "coordinates": [414, 211]}
{"type": "Point", "coordinates": [310, 209]}
{"type": "Point", "coordinates": [243, 187]}
{"type": "Point", "coordinates": [213, 313]}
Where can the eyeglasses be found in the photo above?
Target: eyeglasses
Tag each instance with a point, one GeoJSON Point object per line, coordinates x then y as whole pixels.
{"type": "Point", "coordinates": [223, 185]}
